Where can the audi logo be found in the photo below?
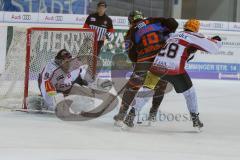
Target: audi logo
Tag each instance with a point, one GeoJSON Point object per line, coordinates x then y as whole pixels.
{"type": "Point", "coordinates": [59, 18]}
{"type": "Point", "coordinates": [26, 17]}
{"type": "Point", "coordinates": [218, 25]}
{"type": "Point", "coordinates": [121, 20]}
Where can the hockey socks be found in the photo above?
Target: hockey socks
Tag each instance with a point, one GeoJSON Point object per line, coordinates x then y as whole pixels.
{"type": "Point", "coordinates": [191, 100]}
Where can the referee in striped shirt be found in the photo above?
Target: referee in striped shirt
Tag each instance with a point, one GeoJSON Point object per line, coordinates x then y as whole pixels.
{"type": "Point", "coordinates": [100, 22]}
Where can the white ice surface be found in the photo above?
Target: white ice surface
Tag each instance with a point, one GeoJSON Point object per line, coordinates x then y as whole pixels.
{"type": "Point", "coordinates": [42, 137]}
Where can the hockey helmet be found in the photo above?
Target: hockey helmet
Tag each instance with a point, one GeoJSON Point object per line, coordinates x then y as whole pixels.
{"type": "Point", "coordinates": [192, 25]}
{"type": "Point", "coordinates": [135, 15]}
{"type": "Point", "coordinates": [171, 24]}
{"type": "Point", "coordinates": [63, 54]}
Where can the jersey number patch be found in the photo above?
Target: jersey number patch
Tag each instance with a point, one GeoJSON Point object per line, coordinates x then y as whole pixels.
{"type": "Point", "coordinates": [150, 39]}
{"type": "Point", "coordinates": [169, 50]}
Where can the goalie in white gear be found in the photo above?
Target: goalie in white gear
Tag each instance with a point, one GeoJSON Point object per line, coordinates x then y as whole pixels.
{"type": "Point", "coordinates": [58, 78]}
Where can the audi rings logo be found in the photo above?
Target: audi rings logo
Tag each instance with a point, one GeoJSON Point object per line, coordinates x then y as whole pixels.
{"type": "Point", "coordinates": [59, 18]}
{"type": "Point", "coordinates": [26, 17]}
{"type": "Point", "coordinates": [122, 21]}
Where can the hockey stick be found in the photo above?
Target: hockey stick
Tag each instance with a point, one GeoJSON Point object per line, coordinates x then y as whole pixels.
{"type": "Point", "coordinates": [105, 105]}
{"type": "Point", "coordinates": [14, 109]}
{"type": "Point", "coordinates": [34, 111]}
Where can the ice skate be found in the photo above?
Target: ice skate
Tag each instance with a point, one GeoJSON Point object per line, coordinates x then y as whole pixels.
{"type": "Point", "coordinates": [129, 120]}
{"type": "Point", "coordinates": [152, 118]}
{"type": "Point", "coordinates": [119, 118]}
{"type": "Point", "coordinates": [195, 119]}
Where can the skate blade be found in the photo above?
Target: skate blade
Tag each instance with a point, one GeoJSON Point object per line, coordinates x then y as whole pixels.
{"type": "Point", "coordinates": [122, 126]}
{"type": "Point", "coordinates": [119, 124]}
{"type": "Point", "coordinates": [198, 129]}
{"type": "Point", "coordinates": [147, 123]}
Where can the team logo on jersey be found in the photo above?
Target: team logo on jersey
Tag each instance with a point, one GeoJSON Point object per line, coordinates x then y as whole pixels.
{"type": "Point", "coordinates": [49, 87]}
{"type": "Point", "coordinates": [141, 25]}
{"type": "Point", "coordinates": [183, 36]}
{"type": "Point", "coordinates": [93, 19]}
{"type": "Point", "coordinates": [105, 22]}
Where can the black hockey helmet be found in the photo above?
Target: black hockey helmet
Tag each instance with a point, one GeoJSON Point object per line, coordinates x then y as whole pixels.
{"type": "Point", "coordinates": [135, 15]}
{"type": "Point", "coordinates": [63, 54]}
{"type": "Point", "coordinates": [171, 24]}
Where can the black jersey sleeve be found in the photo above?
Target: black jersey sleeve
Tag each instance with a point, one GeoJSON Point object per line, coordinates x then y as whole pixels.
{"type": "Point", "coordinates": [157, 20]}
{"type": "Point", "coordinates": [130, 43]}
{"type": "Point", "coordinates": [110, 29]}
{"type": "Point", "coordinates": [110, 25]}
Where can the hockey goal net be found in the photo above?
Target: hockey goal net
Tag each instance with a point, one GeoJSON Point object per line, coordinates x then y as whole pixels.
{"type": "Point", "coordinates": [29, 51]}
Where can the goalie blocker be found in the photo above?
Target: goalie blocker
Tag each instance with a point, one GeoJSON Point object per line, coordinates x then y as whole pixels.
{"type": "Point", "coordinates": [64, 76]}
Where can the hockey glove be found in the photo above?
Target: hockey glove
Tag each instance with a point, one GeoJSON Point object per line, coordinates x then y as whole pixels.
{"type": "Point", "coordinates": [216, 38]}
{"type": "Point", "coordinates": [81, 81]}
{"type": "Point", "coordinates": [108, 35]}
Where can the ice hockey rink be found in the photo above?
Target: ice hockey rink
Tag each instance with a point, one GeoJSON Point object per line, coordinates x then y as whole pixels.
{"type": "Point", "coordinates": [44, 137]}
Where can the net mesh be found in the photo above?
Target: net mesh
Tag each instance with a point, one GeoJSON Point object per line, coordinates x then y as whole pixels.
{"type": "Point", "coordinates": [44, 43]}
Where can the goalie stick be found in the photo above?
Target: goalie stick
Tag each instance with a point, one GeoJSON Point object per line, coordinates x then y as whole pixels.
{"type": "Point", "coordinates": [15, 109]}
{"type": "Point", "coordinates": [35, 111]}
{"type": "Point", "coordinates": [105, 106]}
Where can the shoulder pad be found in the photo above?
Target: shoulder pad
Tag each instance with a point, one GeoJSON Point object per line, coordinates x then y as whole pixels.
{"type": "Point", "coordinates": [199, 35]}
{"type": "Point", "coordinates": [51, 67]}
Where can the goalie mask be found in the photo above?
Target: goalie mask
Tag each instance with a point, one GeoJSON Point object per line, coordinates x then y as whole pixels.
{"type": "Point", "coordinates": [63, 59]}
{"type": "Point", "coordinates": [61, 56]}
